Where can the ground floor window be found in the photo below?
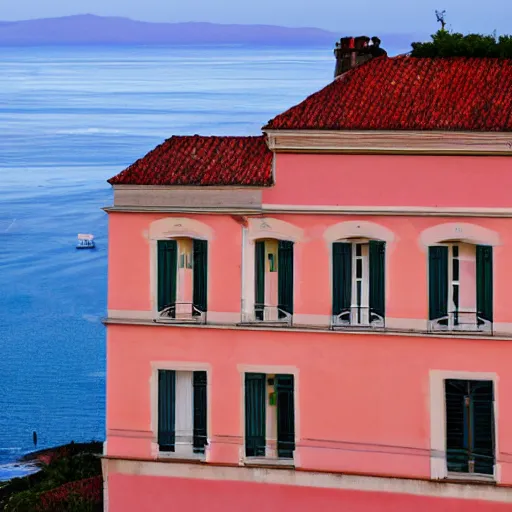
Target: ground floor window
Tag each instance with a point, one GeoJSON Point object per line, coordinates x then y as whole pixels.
{"type": "Point", "coordinates": [269, 415]}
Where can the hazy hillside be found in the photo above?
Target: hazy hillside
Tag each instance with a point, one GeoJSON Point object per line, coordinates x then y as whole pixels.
{"type": "Point", "coordinates": [90, 29]}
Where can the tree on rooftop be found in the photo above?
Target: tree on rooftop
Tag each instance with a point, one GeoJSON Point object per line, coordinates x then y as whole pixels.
{"type": "Point", "coordinates": [454, 44]}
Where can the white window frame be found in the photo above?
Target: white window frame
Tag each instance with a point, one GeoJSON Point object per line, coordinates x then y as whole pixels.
{"type": "Point", "coordinates": [183, 311]}
{"type": "Point", "coordinates": [360, 317]}
{"type": "Point", "coordinates": [438, 462]}
{"type": "Point", "coordinates": [270, 457]}
{"type": "Point", "coordinates": [464, 327]}
{"type": "Point", "coordinates": [182, 450]}
{"type": "Point", "coordinates": [364, 313]}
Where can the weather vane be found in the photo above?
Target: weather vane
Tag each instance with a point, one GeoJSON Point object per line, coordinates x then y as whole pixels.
{"type": "Point", "coordinates": [440, 15]}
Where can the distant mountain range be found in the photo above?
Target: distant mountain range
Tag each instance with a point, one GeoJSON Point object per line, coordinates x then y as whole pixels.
{"type": "Point", "coordinates": [88, 29]}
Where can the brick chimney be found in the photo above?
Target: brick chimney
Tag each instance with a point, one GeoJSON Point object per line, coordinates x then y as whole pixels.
{"type": "Point", "coordinates": [354, 51]}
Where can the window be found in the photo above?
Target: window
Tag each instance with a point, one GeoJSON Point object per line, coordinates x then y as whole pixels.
{"type": "Point", "coordinates": [269, 415]}
{"type": "Point", "coordinates": [470, 426]}
{"type": "Point", "coordinates": [182, 407]}
{"type": "Point", "coordinates": [273, 281]}
{"type": "Point", "coordinates": [358, 283]}
{"type": "Point", "coordinates": [182, 279]}
{"type": "Point", "coordinates": [460, 287]}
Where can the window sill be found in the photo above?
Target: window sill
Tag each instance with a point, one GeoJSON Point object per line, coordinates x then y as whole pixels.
{"type": "Point", "coordinates": [358, 327]}
{"type": "Point", "coordinates": [199, 457]}
{"type": "Point", "coordinates": [471, 478]}
{"type": "Point", "coordinates": [265, 461]}
{"type": "Point", "coordinates": [178, 321]}
{"type": "Point", "coordinates": [264, 323]}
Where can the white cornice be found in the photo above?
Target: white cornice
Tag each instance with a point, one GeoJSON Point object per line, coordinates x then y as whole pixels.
{"type": "Point", "coordinates": [390, 142]}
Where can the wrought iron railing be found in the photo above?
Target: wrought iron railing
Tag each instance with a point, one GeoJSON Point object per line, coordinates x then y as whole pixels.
{"type": "Point", "coordinates": [461, 321]}
{"type": "Point", "coordinates": [358, 316]}
{"type": "Point", "coordinates": [182, 312]}
{"type": "Point", "coordinates": [263, 313]}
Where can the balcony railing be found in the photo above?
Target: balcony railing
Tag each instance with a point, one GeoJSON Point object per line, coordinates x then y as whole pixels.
{"type": "Point", "coordinates": [467, 321]}
{"type": "Point", "coordinates": [272, 315]}
{"type": "Point", "coordinates": [182, 312]}
{"type": "Point", "coordinates": [358, 316]}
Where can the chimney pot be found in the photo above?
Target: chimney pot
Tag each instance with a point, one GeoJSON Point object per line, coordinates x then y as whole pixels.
{"type": "Point", "coordinates": [354, 51]}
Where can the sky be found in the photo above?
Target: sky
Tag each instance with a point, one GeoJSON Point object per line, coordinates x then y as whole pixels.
{"type": "Point", "coordinates": [343, 16]}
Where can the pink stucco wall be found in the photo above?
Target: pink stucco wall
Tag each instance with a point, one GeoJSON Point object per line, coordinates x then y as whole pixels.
{"type": "Point", "coordinates": [139, 493]}
{"type": "Point", "coordinates": [363, 401]}
{"type": "Point", "coordinates": [362, 404]}
{"type": "Point", "coordinates": [391, 180]}
{"type": "Point", "coordinates": [406, 265]}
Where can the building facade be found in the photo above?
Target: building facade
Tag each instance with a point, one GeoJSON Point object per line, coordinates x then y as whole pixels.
{"type": "Point", "coordinates": [318, 318]}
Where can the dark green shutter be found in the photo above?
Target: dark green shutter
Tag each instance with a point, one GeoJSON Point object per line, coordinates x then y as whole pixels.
{"type": "Point", "coordinates": [377, 278]}
{"type": "Point", "coordinates": [200, 291]}
{"type": "Point", "coordinates": [341, 277]}
{"type": "Point", "coordinates": [482, 426]}
{"type": "Point", "coordinates": [255, 414]}
{"type": "Point", "coordinates": [285, 416]}
{"type": "Point", "coordinates": [285, 276]}
{"type": "Point", "coordinates": [484, 288]}
{"type": "Point", "coordinates": [470, 443]}
{"type": "Point", "coordinates": [259, 275]}
{"type": "Point", "coordinates": [457, 434]}
{"type": "Point", "coordinates": [200, 415]}
{"type": "Point", "coordinates": [438, 281]}
{"type": "Point", "coordinates": [166, 410]}
{"type": "Point", "coordinates": [167, 268]}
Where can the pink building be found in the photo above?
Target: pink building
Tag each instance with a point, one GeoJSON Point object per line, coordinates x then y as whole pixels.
{"type": "Point", "coordinates": [318, 318]}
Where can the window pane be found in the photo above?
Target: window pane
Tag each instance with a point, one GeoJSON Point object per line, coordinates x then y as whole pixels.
{"type": "Point", "coordinates": [455, 269]}
{"type": "Point", "coordinates": [359, 268]}
{"type": "Point", "coordinates": [359, 249]}
{"type": "Point", "coordinates": [455, 250]}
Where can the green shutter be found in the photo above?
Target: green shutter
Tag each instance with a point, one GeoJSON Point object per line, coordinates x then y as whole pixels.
{"type": "Point", "coordinates": [484, 288]}
{"type": "Point", "coordinates": [200, 415]}
{"type": "Point", "coordinates": [285, 276]}
{"type": "Point", "coordinates": [470, 442]}
{"type": "Point", "coordinates": [259, 275]}
{"type": "Point", "coordinates": [341, 277]}
{"type": "Point", "coordinates": [438, 281]}
{"type": "Point", "coordinates": [482, 426]}
{"type": "Point", "coordinates": [285, 416]}
{"type": "Point", "coordinates": [167, 268]}
{"type": "Point", "coordinates": [457, 434]}
{"type": "Point", "coordinates": [377, 278]}
{"type": "Point", "coordinates": [255, 414]}
{"type": "Point", "coordinates": [166, 410]}
{"type": "Point", "coordinates": [200, 248]}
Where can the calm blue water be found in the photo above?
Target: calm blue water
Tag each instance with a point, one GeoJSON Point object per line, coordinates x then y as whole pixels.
{"type": "Point", "coordinates": [70, 119]}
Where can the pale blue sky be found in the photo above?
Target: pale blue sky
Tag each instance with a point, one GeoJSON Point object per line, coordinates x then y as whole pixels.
{"type": "Point", "coordinates": [375, 16]}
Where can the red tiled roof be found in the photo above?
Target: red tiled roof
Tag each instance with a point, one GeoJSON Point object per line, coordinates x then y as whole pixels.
{"type": "Point", "coordinates": [407, 93]}
{"type": "Point", "coordinates": [203, 161]}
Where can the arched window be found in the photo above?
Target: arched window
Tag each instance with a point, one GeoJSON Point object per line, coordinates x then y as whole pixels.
{"type": "Point", "coordinates": [182, 278]}
{"type": "Point", "coordinates": [358, 282]}
{"type": "Point", "coordinates": [460, 286]}
{"type": "Point", "coordinates": [273, 280]}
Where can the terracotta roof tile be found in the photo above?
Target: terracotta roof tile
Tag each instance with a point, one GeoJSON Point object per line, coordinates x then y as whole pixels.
{"type": "Point", "coordinates": [202, 161]}
{"type": "Point", "coordinates": [407, 93]}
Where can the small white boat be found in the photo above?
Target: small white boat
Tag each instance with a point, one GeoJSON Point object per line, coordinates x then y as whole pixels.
{"type": "Point", "coordinates": [85, 242]}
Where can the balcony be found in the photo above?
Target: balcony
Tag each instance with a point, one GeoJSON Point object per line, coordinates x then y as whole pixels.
{"type": "Point", "coordinates": [358, 317]}
{"type": "Point", "coordinates": [268, 315]}
{"type": "Point", "coordinates": [182, 312]}
{"type": "Point", "coordinates": [461, 321]}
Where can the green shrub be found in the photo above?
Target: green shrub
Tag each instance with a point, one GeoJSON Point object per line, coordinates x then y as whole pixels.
{"type": "Point", "coordinates": [454, 44]}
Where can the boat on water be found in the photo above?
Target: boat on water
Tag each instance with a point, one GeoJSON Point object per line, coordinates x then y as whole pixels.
{"type": "Point", "coordinates": [85, 242]}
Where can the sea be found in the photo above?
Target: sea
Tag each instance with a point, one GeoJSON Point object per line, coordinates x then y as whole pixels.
{"type": "Point", "coordinates": [70, 118]}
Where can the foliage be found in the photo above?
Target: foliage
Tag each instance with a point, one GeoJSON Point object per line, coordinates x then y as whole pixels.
{"type": "Point", "coordinates": [70, 482]}
{"type": "Point", "coordinates": [454, 44]}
